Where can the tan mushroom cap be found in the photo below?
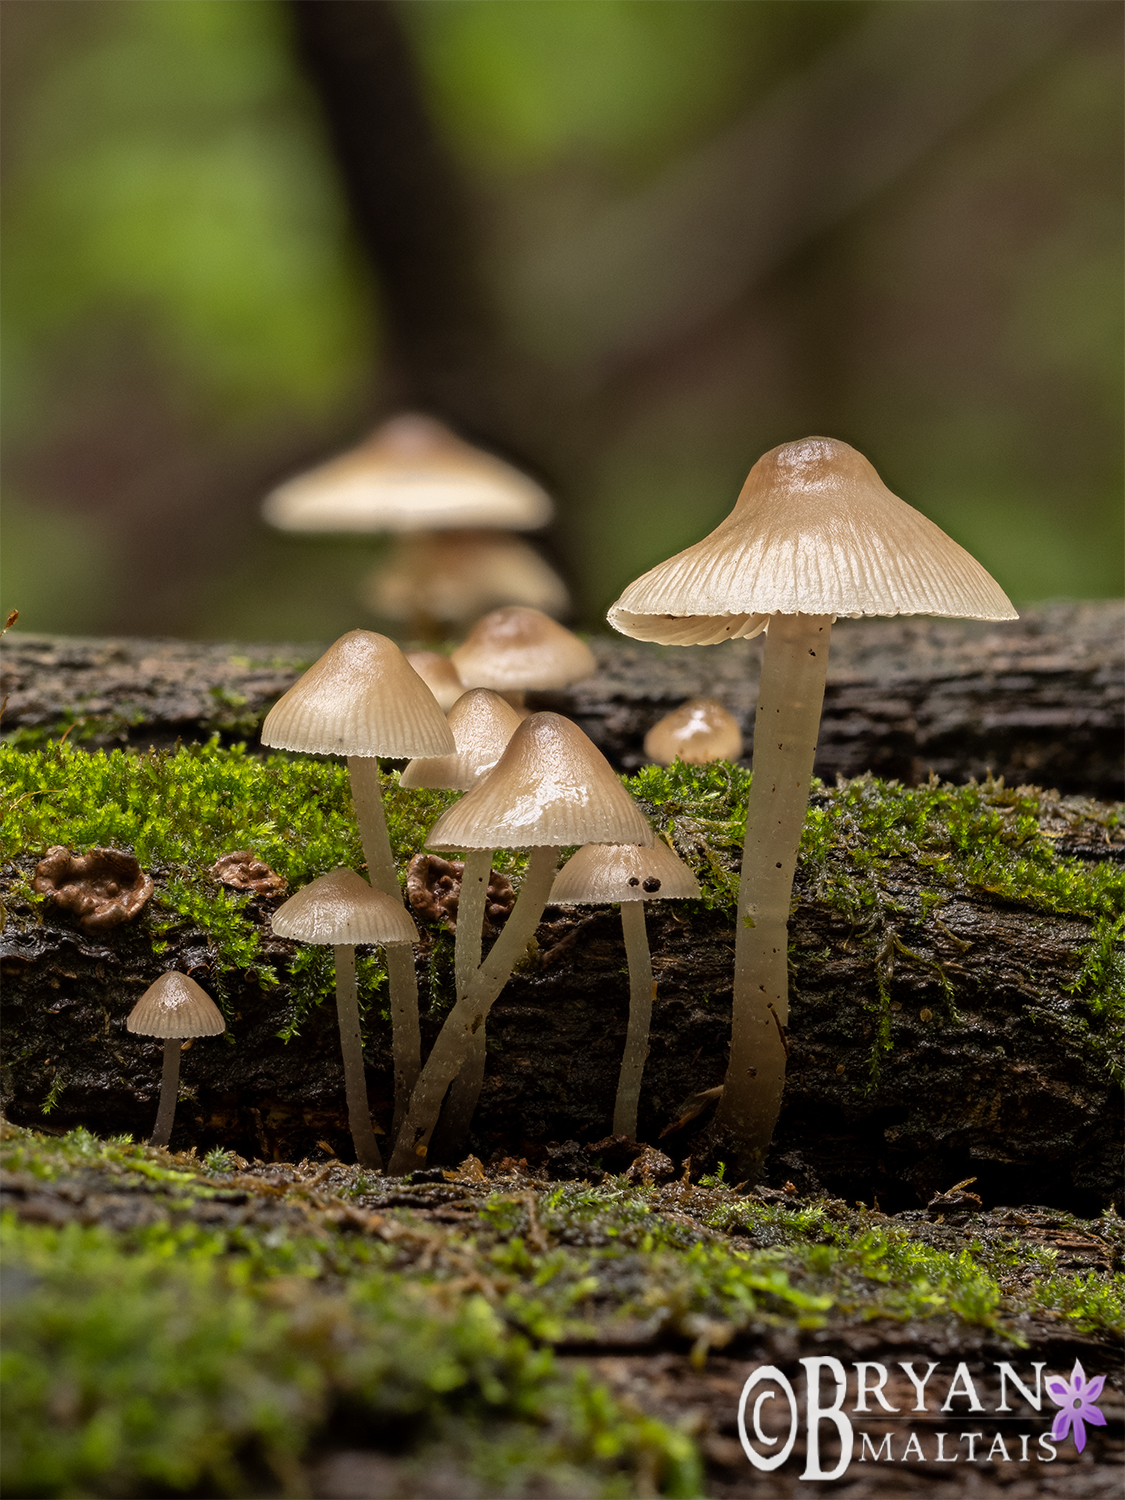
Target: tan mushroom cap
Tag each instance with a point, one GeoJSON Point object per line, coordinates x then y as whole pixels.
{"type": "Point", "coordinates": [457, 575]}
{"type": "Point", "coordinates": [622, 872]}
{"type": "Point", "coordinates": [552, 785]}
{"type": "Point", "coordinates": [482, 724]}
{"type": "Point", "coordinates": [699, 731]}
{"type": "Point", "coordinates": [411, 474]}
{"type": "Point", "coordinates": [361, 698]}
{"type": "Point", "coordinates": [440, 676]}
{"type": "Point", "coordinates": [815, 531]}
{"type": "Point", "coordinates": [516, 648]}
{"type": "Point", "coordinates": [341, 908]}
{"type": "Point", "coordinates": [175, 1006]}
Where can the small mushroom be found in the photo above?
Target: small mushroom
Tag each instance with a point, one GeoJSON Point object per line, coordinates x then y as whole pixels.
{"type": "Point", "coordinates": [104, 888]}
{"type": "Point", "coordinates": [513, 649]}
{"type": "Point", "coordinates": [242, 870]}
{"type": "Point", "coordinates": [699, 731]}
{"type": "Point", "coordinates": [173, 1008]}
{"type": "Point", "coordinates": [440, 676]}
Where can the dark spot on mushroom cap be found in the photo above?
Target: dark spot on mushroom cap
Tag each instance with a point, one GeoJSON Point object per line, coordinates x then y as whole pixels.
{"type": "Point", "coordinates": [103, 888]}
{"type": "Point", "coordinates": [633, 880]}
{"type": "Point", "coordinates": [433, 888]}
{"type": "Point", "coordinates": [650, 885]}
{"type": "Point", "coordinates": [244, 871]}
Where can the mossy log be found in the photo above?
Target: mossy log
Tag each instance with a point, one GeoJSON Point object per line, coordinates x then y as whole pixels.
{"type": "Point", "coordinates": [1035, 700]}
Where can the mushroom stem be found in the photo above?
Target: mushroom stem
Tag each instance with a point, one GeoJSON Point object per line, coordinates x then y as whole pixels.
{"type": "Point", "coordinates": [785, 731]}
{"type": "Point", "coordinates": [464, 1091]}
{"type": "Point", "coordinates": [471, 1010]}
{"type": "Point", "coordinates": [642, 992]}
{"type": "Point", "coordinates": [406, 1036]}
{"type": "Point", "coordinates": [169, 1088]}
{"type": "Point", "coordinates": [355, 1083]}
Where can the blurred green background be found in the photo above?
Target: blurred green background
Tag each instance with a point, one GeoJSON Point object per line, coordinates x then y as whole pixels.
{"type": "Point", "coordinates": [676, 233]}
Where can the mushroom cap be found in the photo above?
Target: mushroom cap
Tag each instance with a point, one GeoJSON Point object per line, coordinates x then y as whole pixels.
{"type": "Point", "coordinates": [815, 531]}
{"type": "Point", "coordinates": [552, 785]}
{"type": "Point", "coordinates": [699, 731]}
{"type": "Point", "coordinates": [457, 575]}
{"type": "Point", "coordinates": [341, 908]}
{"type": "Point", "coordinates": [516, 647]}
{"type": "Point", "coordinates": [361, 698]}
{"type": "Point", "coordinates": [622, 872]}
{"type": "Point", "coordinates": [175, 1006]}
{"type": "Point", "coordinates": [411, 474]}
{"type": "Point", "coordinates": [440, 676]}
{"type": "Point", "coordinates": [482, 724]}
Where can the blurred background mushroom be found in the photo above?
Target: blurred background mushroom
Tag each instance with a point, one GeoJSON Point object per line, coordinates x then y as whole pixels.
{"type": "Point", "coordinates": [699, 731]}
{"type": "Point", "coordinates": [625, 246]}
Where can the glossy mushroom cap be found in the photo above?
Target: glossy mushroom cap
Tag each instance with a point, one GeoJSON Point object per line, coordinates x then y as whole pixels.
{"type": "Point", "coordinates": [341, 908]}
{"type": "Point", "coordinates": [622, 872]}
{"type": "Point", "coordinates": [411, 474]}
{"type": "Point", "coordinates": [815, 531]}
{"type": "Point", "coordinates": [482, 724]}
{"type": "Point", "coordinates": [699, 731]}
{"type": "Point", "coordinates": [361, 698]}
{"type": "Point", "coordinates": [175, 1006]}
{"type": "Point", "coordinates": [517, 648]}
{"type": "Point", "coordinates": [551, 786]}
{"type": "Point", "coordinates": [457, 575]}
{"type": "Point", "coordinates": [440, 676]}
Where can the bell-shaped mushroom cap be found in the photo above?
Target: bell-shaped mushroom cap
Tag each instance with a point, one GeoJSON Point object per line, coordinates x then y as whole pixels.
{"type": "Point", "coordinates": [552, 785]}
{"type": "Point", "coordinates": [515, 648]}
{"type": "Point", "coordinates": [622, 872]}
{"type": "Point", "coordinates": [440, 676]}
{"type": "Point", "coordinates": [175, 1006]}
{"type": "Point", "coordinates": [482, 724]}
{"type": "Point", "coordinates": [457, 575]}
{"type": "Point", "coordinates": [815, 531]}
{"type": "Point", "coordinates": [341, 908]}
{"type": "Point", "coordinates": [361, 698]}
{"type": "Point", "coordinates": [699, 731]}
{"type": "Point", "coordinates": [411, 474]}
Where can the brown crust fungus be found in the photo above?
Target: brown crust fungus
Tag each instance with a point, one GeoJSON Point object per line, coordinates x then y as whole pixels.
{"type": "Point", "coordinates": [242, 870]}
{"type": "Point", "coordinates": [433, 888]}
{"type": "Point", "coordinates": [103, 889]}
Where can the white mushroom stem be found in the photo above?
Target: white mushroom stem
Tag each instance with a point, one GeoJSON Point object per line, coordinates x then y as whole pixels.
{"type": "Point", "coordinates": [785, 731]}
{"type": "Point", "coordinates": [464, 1091]}
{"type": "Point", "coordinates": [406, 1036]}
{"type": "Point", "coordinates": [355, 1082]}
{"type": "Point", "coordinates": [470, 1011]}
{"type": "Point", "coordinates": [642, 992]}
{"type": "Point", "coordinates": [169, 1089]}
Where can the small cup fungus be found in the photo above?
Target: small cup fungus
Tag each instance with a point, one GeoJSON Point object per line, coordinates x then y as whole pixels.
{"type": "Point", "coordinates": [174, 1008]}
{"type": "Point", "coordinates": [103, 889]}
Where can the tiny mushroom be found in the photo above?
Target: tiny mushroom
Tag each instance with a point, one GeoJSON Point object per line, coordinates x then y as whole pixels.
{"type": "Point", "coordinates": [455, 576]}
{"type": "Point", "coordinates": [174, 1008]}
{"type": "Point", "coordinates": [513, 649]}
{"type": "Point", "coordinates": [363, 699]}
{"type": "Point", "coordinates": [699, 731]}
{"type": "Point", "coordinates": [104, 888]}
{"type": "Point", "coordinates": [440, 676]}
{"type": "Point", "coordinates": [342, 909]}
{"type": "Point", "coordinates": [551, 787]}
{"type": "Point", "coordinates": [623, 872]}
{"type": "Point", "coordinates": [814, 534]}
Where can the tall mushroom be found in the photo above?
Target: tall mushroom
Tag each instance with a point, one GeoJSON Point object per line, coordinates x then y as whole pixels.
{"type": "Point", "coordinates": [815, 534]}
{"type": "Point", "coordinates": [362, 699]}
{"type": "Point", "coordinates": [601, 873]}
{"type": "Point", "coordinates": [174, 1008]}
{"type": "Point", "coordinates": [342, 909]}
{"type": "Point", "coordinates": [514, 649]}
{"type": "Point", "coordinates": [550, 788]}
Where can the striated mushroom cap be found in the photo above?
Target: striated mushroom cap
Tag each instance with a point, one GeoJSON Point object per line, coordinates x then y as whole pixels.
{"type": "Point", "coordinates": [103, 888]}
{"type": "Point", "coordinates": [361, 698]}
{"type": "Point", "coordinates": [175, 1006]}
{"type": "Point", "coordinates": [622, 872]}
{"type": "Point", "coordinates": [482, 724]}
{"type": "Point", "coordinates": [341, 908]}
{"type": "Point", "coordinates": [440, 676]}
{"type": "Point", "coordinates": [411, 474]}
{"type": "Point", "coordinates": [699, 731]}
{"type": "Point", "coordinates": [552, 785]}
{"type": "Point", "coordinates": [815, 531]}
{"type": "Point", "coordinates": [516, 648]}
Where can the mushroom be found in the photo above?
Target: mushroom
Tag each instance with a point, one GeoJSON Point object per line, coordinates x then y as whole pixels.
{"type": "Point", "coordinates": [815, 534]}
{"type": "Point", "coordinates": [342, 909]}
{"type": "Point", "coordinates": [551, 787]}
{"type": "Point", "coordinates": [104, 888]}
{"type": "Point", "coordinates": [453, 576]}
{"type": "Point", "coordinates": [173, 1008]}
{"type": "Point", "coordinates": [699, 731]}
{"type": "Point", "coordinates": [513, 649]}
{"type": "Point", "coordinates": [440, 676]}
{"type": "Point", "coordinates": [601, 873]}
{"type": "Point", "coordinates": [363, 699]}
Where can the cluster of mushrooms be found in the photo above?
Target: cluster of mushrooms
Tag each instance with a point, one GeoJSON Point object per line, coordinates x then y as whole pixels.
{"type": "Point", "coordinates": [815, 534]}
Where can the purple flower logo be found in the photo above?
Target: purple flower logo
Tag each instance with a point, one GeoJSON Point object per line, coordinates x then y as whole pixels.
{"type": "Point", "coordinates": [1076, 1397]}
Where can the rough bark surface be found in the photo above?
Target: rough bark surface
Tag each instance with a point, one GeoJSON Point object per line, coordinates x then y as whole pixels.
{"type": "Point", "coordinates": [1036, 700]}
